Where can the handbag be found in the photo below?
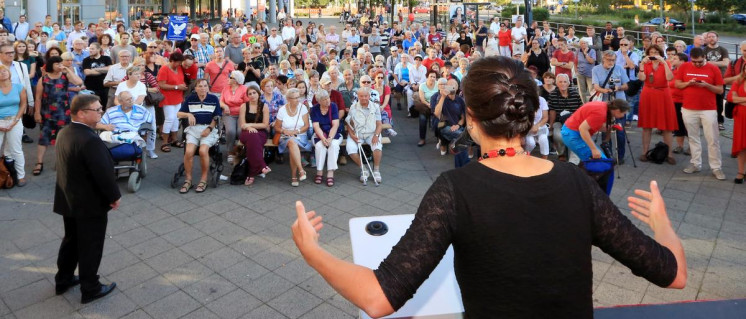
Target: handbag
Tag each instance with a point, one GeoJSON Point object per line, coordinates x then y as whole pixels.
{"type": "Point", "coordinates": [600, 96]}
{"type": "Point", "coordinates": [729, 105]}
{"type": "Point", "coordinates": [28, 121]}
{"type": "Point", "coordinates": [154, 98]}
{"type": "Point", "coordinates": [421, 107]}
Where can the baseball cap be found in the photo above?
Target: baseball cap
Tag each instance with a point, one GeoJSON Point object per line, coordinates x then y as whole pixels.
{"type": "Point", "coordinates": [194, 36]}
{"type": "Point", "coordinates": [394, 48]}
{"type": "Point", "coordinates": [325, 81]}
{"type": "Point", "coordinates": [418, 57]}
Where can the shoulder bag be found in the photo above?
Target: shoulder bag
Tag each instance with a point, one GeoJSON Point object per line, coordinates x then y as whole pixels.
{"type": "Point", "coordinates": [729, 105]}
{"type": "Point", "coordinates": [595, 94]}
{"type": "Point", "coordinates": [153, 98]}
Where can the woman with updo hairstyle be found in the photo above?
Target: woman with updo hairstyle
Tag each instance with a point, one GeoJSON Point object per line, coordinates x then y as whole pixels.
{"type": "Point", "coordinates": [521, 227]}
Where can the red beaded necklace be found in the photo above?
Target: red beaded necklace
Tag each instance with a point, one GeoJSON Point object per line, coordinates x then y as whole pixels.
{"type": "Point", "coordinates": [509, 152]}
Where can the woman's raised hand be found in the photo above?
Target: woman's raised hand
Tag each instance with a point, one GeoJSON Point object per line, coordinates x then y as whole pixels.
{"type": "Point", "coordinates": [650, 208]}
{"type": "Point", "coordinates": [306, 228]}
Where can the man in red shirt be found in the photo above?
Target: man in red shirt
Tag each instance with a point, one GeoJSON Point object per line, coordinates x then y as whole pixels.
{"type": "Point", "coordinates": [563, 59]}
{"type": "Point", "coordinates": [434, 37]}
{"type": "Point", "coordinates": [699, 82]}
{"type": "Point", "coordinates": [189, 68]}
{"type": "Point", "coordinates": [734, 68]}
{"type": "Point", "coordinates": [432, 57]}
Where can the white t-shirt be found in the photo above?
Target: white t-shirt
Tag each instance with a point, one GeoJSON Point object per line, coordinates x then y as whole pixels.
{"type": "Point", "coordinates": [518, 33]}
{"type": "Point", "coordinates": [138, 90]}
{"type": "Point", "coordinates": [495, 27]}
{"type": "Point", "coordinates": [274, 42]}
{"type": "Point", "coordinates": [543, 106]}
{"type": "Point", "coordinates": [288, 33]}
{"type": "Point", "coordinates": [291, 122]}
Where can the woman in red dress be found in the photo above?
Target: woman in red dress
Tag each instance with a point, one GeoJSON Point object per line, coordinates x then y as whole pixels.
{"type": "Point", "coordinates": [656, 105]}
{"type": "Point", "coordinates": [738, 96]}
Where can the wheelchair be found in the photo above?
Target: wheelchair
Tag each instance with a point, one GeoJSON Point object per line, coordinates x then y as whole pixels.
{"type": "Point", "coordinates": [216, 157]}
{"type": "Point", "coordinates": [129, 160]}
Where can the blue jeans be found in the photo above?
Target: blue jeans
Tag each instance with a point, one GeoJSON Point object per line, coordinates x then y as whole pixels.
{"type": "Point", "coordinates": [448, 135]}
{"type": "Point", "coordinates": [575, 143]}
{"type": "Point", "coordinates": [634, 104]}
{"type": "Point", "coordinates": [620, 138]}
{"type": "Point", "coordinates": [423, 126]}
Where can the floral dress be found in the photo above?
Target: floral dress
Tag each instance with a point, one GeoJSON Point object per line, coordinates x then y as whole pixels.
{"type": "Point", "coordinates": [55, 108]}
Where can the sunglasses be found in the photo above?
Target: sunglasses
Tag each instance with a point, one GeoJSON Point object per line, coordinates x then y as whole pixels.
{"type": "Point", "coordinates": [365, 82]}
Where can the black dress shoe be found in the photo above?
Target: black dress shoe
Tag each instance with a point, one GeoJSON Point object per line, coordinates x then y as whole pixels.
{"type": "Point", "coordinates": [103, 290]}
{"type": "Point", "coordinates": [26, 139]}
{"type": "Point", "coordinates": [60, 288]}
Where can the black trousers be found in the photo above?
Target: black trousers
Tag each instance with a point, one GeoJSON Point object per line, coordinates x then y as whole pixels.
{"type": "Point", "coordinates": [82, 247]}
{"type": "Point", "coordinates": [719, 102]}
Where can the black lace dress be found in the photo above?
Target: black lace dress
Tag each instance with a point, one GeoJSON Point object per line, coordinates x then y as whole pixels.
{"type": "Point", "coordinates": [522, 245]}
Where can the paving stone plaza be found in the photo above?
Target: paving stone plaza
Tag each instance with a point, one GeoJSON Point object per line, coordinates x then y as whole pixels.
{"type": "Point", "coordinates": [228, 252]}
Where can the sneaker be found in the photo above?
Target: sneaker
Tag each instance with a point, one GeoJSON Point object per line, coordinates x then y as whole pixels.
{"type": "Point", "coordinates": [223, 177]}
{"type": "Point", "coordinates": [230, 159]}
{"type": "Point", "coordinates": [152, 154]}
{"type": "Point", "coordinates": [634, 117]}
{"type": "Point", "coordinates": [678, 150]}
{"type": "Point", "coordinates": [721, 127]}
{"type": "Point", "coordinates": [364, 176]}
{"type": "Point", "coordinates": [391, 132]}
{"type": "Point", "coordinates": [437, 146]}
{"type": "Point", "coordinates": [691, 169]}
{"type": "Point", "coordinates": [718, 173]}
{"type": "Point", "coordinates": [377, 176]}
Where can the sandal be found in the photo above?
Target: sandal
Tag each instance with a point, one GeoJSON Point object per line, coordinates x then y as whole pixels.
{"type": "Point", "coordinates": [177, 144]}
{"type": "Point", "coordinates": [38, 169]}
{"type": "Point", "coordinates": [165, 148]}
{"type": "Point", "coordinates": [266, 170]}
{"type": "Point", "coordinates": [330, 181]}
{"type": "Point", "coordinates": [318, 179]}
{"type": "Point", "coordinates": [294, 182]}
{"type": "Point", "coordinates": [249, 181]}
{"type": "Point", "coordinates": [186, 187]}
{"type": "Point", "coordinates": [302, 177]}
{"type": "Point", "coordinates": [201, 187]}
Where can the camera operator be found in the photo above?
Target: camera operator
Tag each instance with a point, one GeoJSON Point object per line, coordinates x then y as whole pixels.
{"type": "Point", "coordinates": [610, 82]}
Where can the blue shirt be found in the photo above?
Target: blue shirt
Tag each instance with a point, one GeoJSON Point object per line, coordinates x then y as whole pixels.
{"type": "Point", "coordinates": [618, 77]}
{"type": "Point", "coordinates": [406, 44]}
{"type": "Point", "coordinates": [584, 67]}
{"type": "Point", "coordinates": [203, 111]}
{"type": "Point", "coordinates": [78, 61]}
{"type": "Point", "coordinates": [9, 103]}
{"type": "Point", "coordinates": [452, 109]}
{"type": "Point", "coordinates": [620, 62]}
{"type": "Point", "coordinates": [325, 121]}
{"type": "Point", "coordinates": [127, 122]}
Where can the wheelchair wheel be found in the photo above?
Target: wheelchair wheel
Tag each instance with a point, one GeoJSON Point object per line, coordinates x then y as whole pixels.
{"type": "Point", "coordinates": [133, 184]}
{"type": "Point", "coordinates": [143, 166]}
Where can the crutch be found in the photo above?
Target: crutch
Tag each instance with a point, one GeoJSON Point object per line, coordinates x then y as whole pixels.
{"type": "Point", "coordinates": [364, 162]}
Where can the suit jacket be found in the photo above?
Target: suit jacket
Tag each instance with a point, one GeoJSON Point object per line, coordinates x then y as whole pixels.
{"type": "Point", "coordinates": [86, 184]}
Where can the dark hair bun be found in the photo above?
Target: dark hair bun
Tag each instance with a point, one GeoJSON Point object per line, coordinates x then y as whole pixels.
{"type": "Point", "coordinates": [502, 96]}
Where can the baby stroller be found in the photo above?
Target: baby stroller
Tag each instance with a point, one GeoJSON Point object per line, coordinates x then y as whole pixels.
{"type": "Point", "coordinates": [128, 157]}
{"type": "Point", "coordinates": [216, 157]}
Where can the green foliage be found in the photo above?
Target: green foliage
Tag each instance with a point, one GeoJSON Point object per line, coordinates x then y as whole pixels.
{"type": "Point", "coordinates": [509, 11]}
{"type": "Point", "coordinates": [540, 14]}
{"type": "Point", "coordinates": [644, 15]}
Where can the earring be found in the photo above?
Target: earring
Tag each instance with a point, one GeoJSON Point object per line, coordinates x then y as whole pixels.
{"type": "Point", "coordinates": [469, 127]}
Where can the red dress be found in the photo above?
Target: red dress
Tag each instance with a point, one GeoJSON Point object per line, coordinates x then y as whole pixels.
{"type": "Point", "coordinates": [656, 105]}
{"type": "Point", "coordinates": [739, 120]}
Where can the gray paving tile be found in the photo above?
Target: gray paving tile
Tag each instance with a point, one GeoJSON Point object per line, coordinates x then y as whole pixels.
{"type": "Point", "coordinates": [210, 288]}
{"type": "Point", "coordinates": [29, 294]}
{"type": "Point", "coordinates": [234, 305]}
{"type": "Point", "coordinates": [166, 225]}
{"type": "Point", "coordinates": [151, 291]}
{"type": "Point", "coordinates": [19, 277]}
{"type": "Point", "coordinates": [117, 261]}
{"type": "Point", "coordinates": [134, 236]}
{"type": "Point", "coordinates": [243, 273]}
{"type": "Point", "coordinates": [201, 313]}
{"type": "Point", "coordinates": [132, 275]}
{"type": "Point", "coordinates": [166, 261]}
{"type": "Point", "coordinates": [194, 216]}
{"type": "Point", "coordinates": [273, 258]}
{"type": "Point", "coordinates": [268, 287]}
{"type": "Point", "coordinates": [54, 307]}
{"type": "Point", "coordinates": [151, 247]}
{"type": "Point", "coordinates": [188, 274]}
{"type": "Point", "coordinates": [612, 295]}
{"type": "Point", "coordinates": [295, 302]}
{"type": "Point", "coordinates": [138, 314]}
{"type": "Point", "coordinates": [230, 234]}
{"type": "Point", "coordinates": [114, 305]}
{"type": "Point", "coordinates": [201, 247]}
{"type": "Point", "coordinates": [173, 306]}
{"type": "Point", "coordinates": [183, 236]}
{"type": "Point", "coordinates": [264, 311]}
{"type": "Point", "coordinates": [222, 258]}
{"type": "Point", "coordinates": [326, 311]}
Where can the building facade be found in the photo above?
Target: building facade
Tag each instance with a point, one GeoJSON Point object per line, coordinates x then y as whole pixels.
{"type": "Point", "coordinates": [89, 11]}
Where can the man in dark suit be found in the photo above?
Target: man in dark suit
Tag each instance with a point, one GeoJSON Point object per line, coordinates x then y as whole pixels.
{"type": "Point", "coordinates": [86, 190]}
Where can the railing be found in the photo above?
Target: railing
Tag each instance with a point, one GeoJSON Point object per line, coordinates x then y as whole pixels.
{"type": "Point", "coordinates": [734, 49]}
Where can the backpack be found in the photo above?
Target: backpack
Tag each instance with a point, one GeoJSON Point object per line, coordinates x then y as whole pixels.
{"type": "Point", "coordinates": [658, 154]}
{"type": "Point", "coordinates": [240, 171]}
